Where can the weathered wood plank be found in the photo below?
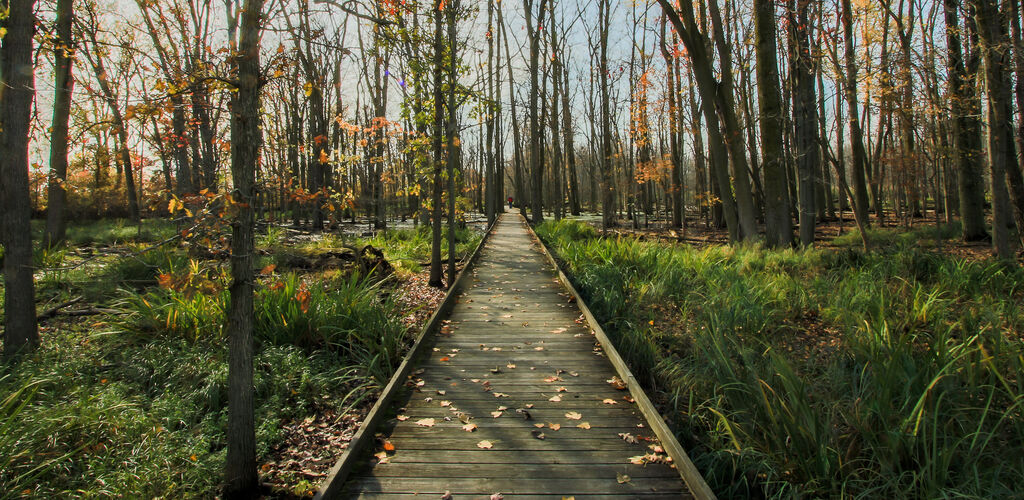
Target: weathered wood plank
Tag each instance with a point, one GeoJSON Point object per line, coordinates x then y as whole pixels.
{"type": "Point", "coordinates": [515, 338]}
{"type": "Point", "coordinates": [480, 486]}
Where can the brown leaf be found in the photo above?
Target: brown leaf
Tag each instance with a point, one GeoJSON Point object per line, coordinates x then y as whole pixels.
{"type": "Point", "coordinates": [486, 445]}
{"type": "Point", "coordinates": [573, 415]}
{"type": "Point", "coordinates": [469, 427]}
{"type": "Point", "coordinates": [617, 383]}
{"type": "Point", "coordinates": [555, 399]}
{"type": "Point", "coordinates": [388, 447]}
{"type": "Point", "coordinates": [622, 478]}
{"type": "Point", "coordinates": [555, 427]}
{"type": "Point", "coordinates": [609, 401]}
{"type": "Point", "coordinates": [425, 422]}
{"type": "Point", "coordinates": [584, 425]}
{"type": "Point", "coordinates": [537, 434]}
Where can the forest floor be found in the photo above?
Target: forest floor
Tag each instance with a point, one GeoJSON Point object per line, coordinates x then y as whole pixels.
{"type": "Point", "coordinates": [127, 395]}
{"type": "Point", "coordinates": [896, 372]}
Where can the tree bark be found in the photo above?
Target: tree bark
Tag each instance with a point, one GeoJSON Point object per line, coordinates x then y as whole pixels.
{"type": "Point", "coordinates": [805, 117]}
{"type": "Point", "coordinates": [241, 479]}
{"type": "Point", "coordinates": [17, 88]}
{"type": "Point", "coordinates": [966, 130]}
{"type": "Point", "coordinates": [778, 226]}
{"type": "Point", "coordinates": [57, 194]}
{"type": "Point", "coordinates": [995, 48]}
{"type": "Point", "coordinates": [859, 156]}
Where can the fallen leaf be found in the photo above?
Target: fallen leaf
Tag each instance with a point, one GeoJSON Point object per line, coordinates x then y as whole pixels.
{"type": "Point", "coordinates": [617, 383]}
{"type": "Point", "coordinates": [382, 457]}
{"type": "Point", "coordinates": [445, 358]}
{"type": "Point", "coordinates": [622, 478]}
{"type": "Point", "coordinates": [529, 405]}
{"type": "Point", "coordinates": [628, 399]}
{"type": "Point", "coordinates": [500, 395]}
{"type": "Point", "coordinates": [502, 408]}
{"type": "Point", "coordinates": [497, 496]}
{"type": "Point", "coordinates": [495, 414]}
{"type": "Point", "coordinates": [584, 425]}
{"type": "Point", "coordinates": [537, 434]}
{"type": "Point", "coordinates": [440, 393]}
{"type": "Point", "coordinates": [627, 437]}
{"type": "Point", "coordinates": [539, 426]}
{"type": "Point", "coordinates": [486, 445]}
{"type": "Point", "coordinates": [510, 365]}
{"type": "Point", "coordinates": [561, 389]}
{"type": "Point", "coordinates": [425, 422]}
{"type": "Point", "coordinates": [657, 448]}
{"type": "Point", "coordinates": [402, 418]}
{"type": "Point", "coordinates": [446, 403]}
{"type": "Point", "coordinates": [573, 415]}
{"type": "Point", "coordinates": [447, 495]}
{"type": "Point", "coordinates": [555, 399]}
{"type": "Point", "coordinates": [552, 379]}
{"type": "Point", "coordinates": [469, 427]}
{"type": "Point", "coordinates": [555, 427]}
{"type": "Point", "coordinates": [610, 401]}
{"type": "Point", "coordinates": [559, 330]}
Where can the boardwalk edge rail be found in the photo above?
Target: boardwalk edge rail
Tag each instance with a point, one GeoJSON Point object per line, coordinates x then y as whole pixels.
{"type": "Point", "coordinates": [691, 476]}
{"type": "Point", "coordinates": [331, 486]}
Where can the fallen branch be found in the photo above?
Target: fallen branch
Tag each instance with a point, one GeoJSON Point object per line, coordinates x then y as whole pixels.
{"type": "Point", "coordinates": [49, 313]}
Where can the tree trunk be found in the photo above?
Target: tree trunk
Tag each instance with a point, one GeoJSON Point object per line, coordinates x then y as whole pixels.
{"type": "Point", "coordinates": [778, 226]}
{"type": "Point", "coordinates": [966, 131]}
{"type": "Point", "coordinates": [435, 234]}
{"type": "Point", "coordinates": [805, 117]}
{"type": "Point", "coordinates": [995, 48]}
{"type": "Point", "coordinates": [859, 156]}
{"type": "Point", "coordinates": [57, 194]}
{"type": "Point", "coordinates": [18, 88]}
{"type": "Point", "coordinates": [241, 479]}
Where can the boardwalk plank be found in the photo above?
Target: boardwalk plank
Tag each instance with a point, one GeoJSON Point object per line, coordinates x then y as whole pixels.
{"type": "Point", "coordinates": [514, 340]}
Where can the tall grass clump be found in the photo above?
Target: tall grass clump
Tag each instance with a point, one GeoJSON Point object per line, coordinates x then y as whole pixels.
{"type": "Point", "coordinates": [824, 373]}
{"type": "Point", "coordinates": [135, 405]}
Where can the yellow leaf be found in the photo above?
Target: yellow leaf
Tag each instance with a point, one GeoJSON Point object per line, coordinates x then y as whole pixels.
{"type": "Point", "coordinates": [573, 415]}
{"type": "Point", "coordinates": [486, 445]}
{"type": "Point", "coordinates": [308, 89]}
{"type": "Point", "coordinates": [584, 425]}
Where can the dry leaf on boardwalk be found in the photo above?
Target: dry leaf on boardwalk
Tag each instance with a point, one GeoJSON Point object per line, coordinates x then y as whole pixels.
{"type": "Point", "coordinates": [573, 415]}
{"type": "Point", "coordinates": [485, 445]}
{"type": "Point", "coordinates": [425, 422]}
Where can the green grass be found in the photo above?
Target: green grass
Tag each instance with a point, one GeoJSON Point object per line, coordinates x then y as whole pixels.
{"type": "Point", "coordinates": [897, 373]}
{"type": "Point", "coordinates": [135, 404]}
{"type": "Point", "coordinates": [109, 232]}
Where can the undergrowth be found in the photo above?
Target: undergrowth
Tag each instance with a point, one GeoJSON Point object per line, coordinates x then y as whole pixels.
{"type": "Point", "coordinates": [897, 373]}
{"type": "Point", "coordinates": [135, 403]}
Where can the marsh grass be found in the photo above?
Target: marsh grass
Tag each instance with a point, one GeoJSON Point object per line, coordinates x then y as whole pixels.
{"type": "Point", "coordinates": [897, 373]}
{"type": "Point", "coordinates": [134, 404]}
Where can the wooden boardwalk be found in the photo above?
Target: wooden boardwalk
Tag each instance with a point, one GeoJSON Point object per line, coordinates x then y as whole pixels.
{"type": "Point", "coordinates": [515, 397]}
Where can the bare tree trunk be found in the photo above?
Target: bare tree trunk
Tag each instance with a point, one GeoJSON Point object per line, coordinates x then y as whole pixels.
{"type": "Point", "coordinates": [17, 88]}
{"type": "Point", "coordinates": [859, 156]}
{"type": "Point", "coordinates": [57, 194]}
{"type": "Point", "coordinates": [241, 479]}
{"type": "Point", "coordinates": [995, 49]}
{"type": "Point", "coordinates": [966, 131]}
{"type": "Point", "coordinates": [778, 225]}
{"type": "Point", "coordinates": [805, 116]}
{"type": "Point", "coordinates": [454, 149]}
{"type": "Point", "coordinates": [536, 163]}
{"type": "Point", "coordinates": [435, 234]}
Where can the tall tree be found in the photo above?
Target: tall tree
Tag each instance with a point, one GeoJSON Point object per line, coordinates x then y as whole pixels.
{"type": "Point", "coordinates": [805, 115]}
{"type": "Point", "coordinates": [17, 88]}
{"type": "Point", "coordinates": [995, 48]}
{"type": "Point", "coordinates": [63, 56]}
{"type": "Point", "coordinates": [850, 87]}
{"type": "Point", "coordinates": [966, 128]}
{"type": "Point", "coordinates": [778, 226]}
{"type": "Point", "coordinates": [536, 132]}
{"type": "Point", "coordinates": [241, 478]}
